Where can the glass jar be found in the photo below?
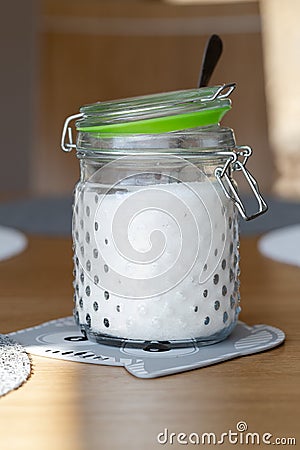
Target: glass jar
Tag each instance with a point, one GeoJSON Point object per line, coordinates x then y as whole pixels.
{"type": "Point", "coordinates": [155, 219]}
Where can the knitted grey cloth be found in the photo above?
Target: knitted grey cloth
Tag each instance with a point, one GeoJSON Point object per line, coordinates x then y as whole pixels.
{"type": "Point", "coordinates": [14, 365]}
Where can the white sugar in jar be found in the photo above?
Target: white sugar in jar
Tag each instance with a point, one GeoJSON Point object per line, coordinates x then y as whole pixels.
{"type": "Point", "coordinates": [155, 229]}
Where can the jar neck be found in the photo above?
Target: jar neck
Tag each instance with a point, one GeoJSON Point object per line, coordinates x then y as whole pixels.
{"type": "Point", "coordinates": [206, 142]}
{"type": "Point", "coordinates": [149, 170]}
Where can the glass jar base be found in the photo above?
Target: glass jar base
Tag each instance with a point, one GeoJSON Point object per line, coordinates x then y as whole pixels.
{"type": "Point", "coordinates": [156, 345]}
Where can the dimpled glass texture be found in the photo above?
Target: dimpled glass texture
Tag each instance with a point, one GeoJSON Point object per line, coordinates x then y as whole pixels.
{"type": "Point", "coordinates": [111, 302]}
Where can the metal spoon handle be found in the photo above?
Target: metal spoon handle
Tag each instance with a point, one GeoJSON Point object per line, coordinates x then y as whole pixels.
{"type": "Point", "coordinates": [210, 59]}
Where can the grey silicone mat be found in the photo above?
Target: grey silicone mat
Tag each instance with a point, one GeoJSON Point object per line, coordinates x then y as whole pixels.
{"type": "Point", "coordinates": [61, 339]}
{"type": "Point", "coordinates": [52, 216]}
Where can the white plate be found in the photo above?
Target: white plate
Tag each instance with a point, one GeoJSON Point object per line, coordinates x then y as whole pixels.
{"type": "Point", "coordinates": [12, 242]}
{"type": "Point", "coordinates": [282, 245]}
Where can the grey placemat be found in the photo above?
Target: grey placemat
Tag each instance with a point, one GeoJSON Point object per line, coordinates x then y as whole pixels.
{"type": "Point", "coordinates": [52, 216]}
{"type": "Point", "coordinates": [280, 214]}
{"type": "Point", "coordinates": [62, 339]}
{"type": "Point", "coordinates": [45, 216]}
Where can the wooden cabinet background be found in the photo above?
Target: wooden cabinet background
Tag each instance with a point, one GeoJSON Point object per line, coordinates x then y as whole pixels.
{"type": "Point", "coordinates": [100, 50]}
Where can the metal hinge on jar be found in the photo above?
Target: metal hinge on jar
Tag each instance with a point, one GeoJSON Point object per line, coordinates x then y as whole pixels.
{"type": "Point", "coordinates": [67, 130]}
{"type": "Point", "coordinates": [237, 161]}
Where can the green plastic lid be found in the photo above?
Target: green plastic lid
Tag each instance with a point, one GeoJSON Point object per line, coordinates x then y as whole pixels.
{"type": "Point", "coordinates": [158, 113]}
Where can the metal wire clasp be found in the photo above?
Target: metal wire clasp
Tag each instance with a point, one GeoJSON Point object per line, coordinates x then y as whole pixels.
{"type": "Point", "coordinates": [68, 146]}
{"type": "Point", "coordinates": [223, 91]}
{"type": "Point", "coordinates": [222, 174]}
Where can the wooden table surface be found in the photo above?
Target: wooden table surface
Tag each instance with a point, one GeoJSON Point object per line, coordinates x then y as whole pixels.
{"type": "Point", "coordinates": [75, 406]}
